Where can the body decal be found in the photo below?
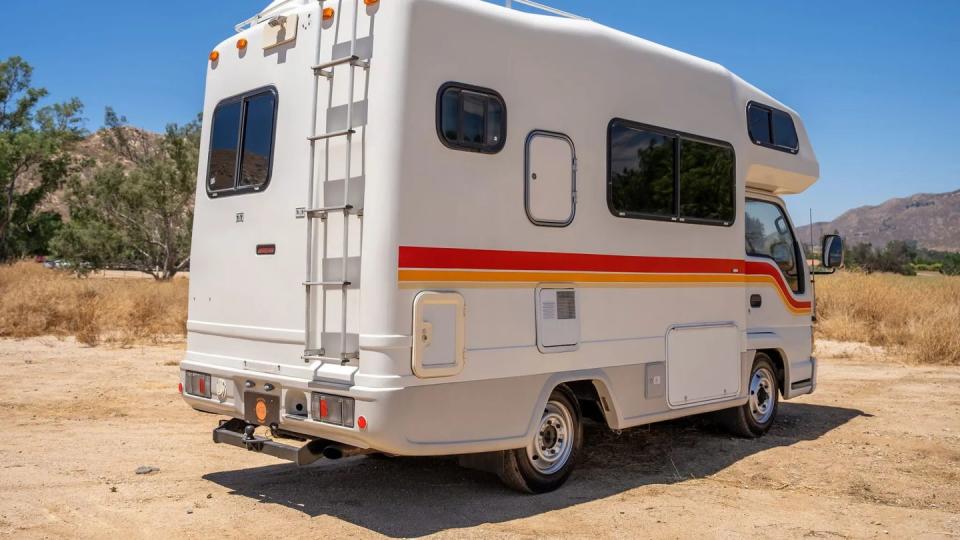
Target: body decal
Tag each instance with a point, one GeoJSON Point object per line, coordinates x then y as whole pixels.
{"type": "Point", "coordinates": [421, 267]}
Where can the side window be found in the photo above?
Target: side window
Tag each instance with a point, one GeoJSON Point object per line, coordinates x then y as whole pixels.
{"type": "Point", "coordinates": [708, 182]}
{"type": "Point", "coordinates": [471, 118]}
{"type": "Point", "coordinates": [772, 128]}
{"type": "Point", "coordinates": [769, 235]}
{"type": "Point", "coordinates": [241, 144]}
{"type": "Point", "coordinates": [642, 169]}
{"type": "Point", "coordinates": [655, 173]}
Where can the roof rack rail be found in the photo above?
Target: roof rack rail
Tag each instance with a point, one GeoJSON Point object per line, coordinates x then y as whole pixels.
{"type": "Point", "coordinates": [546, 8]}
{"type": "Point", "coordinates": [263, 15]}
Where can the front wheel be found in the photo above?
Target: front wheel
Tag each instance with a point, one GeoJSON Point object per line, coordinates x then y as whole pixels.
{"type": "Point", "coordinates": [755, 417]}
{"type": "Point", "coordinates": [552, 452]}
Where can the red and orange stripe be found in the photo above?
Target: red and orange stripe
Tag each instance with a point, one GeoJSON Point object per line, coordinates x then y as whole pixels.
{"type": "Point", "coordinates": [456, 267]}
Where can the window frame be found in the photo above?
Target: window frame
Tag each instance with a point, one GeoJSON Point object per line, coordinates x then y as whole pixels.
{"type": "Point", "coordinates": [773, 136]}
{"type": "Point", "coordinates": [797, 252]}
{"type": "Point", "coordinates": [678, 137]}
{"type": "Point", "coordinates": [242, 99]}
{"type": "Point", "coordinates": [481, 148]}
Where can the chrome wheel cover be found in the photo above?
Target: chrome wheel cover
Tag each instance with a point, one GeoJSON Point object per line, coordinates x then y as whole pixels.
{"type": "Point", "coordinates": [553, 442]}
{"type": "Point", "coordinates": [763, 395]}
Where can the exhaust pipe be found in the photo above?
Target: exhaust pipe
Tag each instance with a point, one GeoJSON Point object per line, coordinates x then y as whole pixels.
{"type": "Point", "coordinates": [337, 451]}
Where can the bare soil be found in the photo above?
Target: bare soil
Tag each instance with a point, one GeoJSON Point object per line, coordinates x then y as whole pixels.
{"type": "Point", "coordinates": [875, 452]}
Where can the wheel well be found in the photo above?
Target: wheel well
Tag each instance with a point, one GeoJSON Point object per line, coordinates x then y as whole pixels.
{"type": "Point", "coordinates": [777, 358]}
{"type": "Point", "coordinates": [588, 398]}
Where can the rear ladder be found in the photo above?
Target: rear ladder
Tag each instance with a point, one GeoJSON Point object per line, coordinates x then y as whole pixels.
{"type": "Point", "coordinates": [313, 349]}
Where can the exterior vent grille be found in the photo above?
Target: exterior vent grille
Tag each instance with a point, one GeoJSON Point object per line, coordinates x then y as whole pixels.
{"type": "Point", "coordinates": [566, 305]}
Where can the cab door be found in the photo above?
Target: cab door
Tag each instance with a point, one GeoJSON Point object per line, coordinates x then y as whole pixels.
{"type": "Point", "coordinates": [779, 298]}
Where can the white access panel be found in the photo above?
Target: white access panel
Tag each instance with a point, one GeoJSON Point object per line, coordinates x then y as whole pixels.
{"type": "Point", "coordinates": [558, 319]}
{"type": "Point", "coordinates": [438, 334]}
{"type": "Point", "coordinates": [280, 31]}
{"type": "Point", "coordinates": [550, 183]}
{"type": "Point", "coordinates": [703, 364]}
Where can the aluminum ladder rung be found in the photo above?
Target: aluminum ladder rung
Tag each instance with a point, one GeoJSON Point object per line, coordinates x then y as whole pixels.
{"type": "Point", "coordinates": [327, 358]}
{"type": "Point", "coordinates": [353, 60]}
{"type": "Point", "coordinates": [326, 283]}
{"type": "Point", "coordinates": [331, 135]}
{"type": "Point", "coordinates": [322, 212]}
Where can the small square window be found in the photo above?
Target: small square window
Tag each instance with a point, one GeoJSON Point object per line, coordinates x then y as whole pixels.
{"type": "Point", "coordinates": [471, 118]}
{"type": "Point", "coordinates": [772, 128]}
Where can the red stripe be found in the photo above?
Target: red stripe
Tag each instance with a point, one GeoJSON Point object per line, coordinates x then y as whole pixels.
{"type": "Point", "coordinates": [485, 259]}
{"type": "Point", "coordinates": [482, 259]}
{"type": "Point", "coordinates": [767, 269]}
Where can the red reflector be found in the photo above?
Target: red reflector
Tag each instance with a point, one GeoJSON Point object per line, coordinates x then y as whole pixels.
{"type": "Point", "coordinates": [266, 249]}
{"type": "Point", "coordinates": [323, 409]}
{"type": "Point", "coordinates": [180, 387]}
{"type": "Point", "coordinates": [362, 422]}
{"type": "Point", "coordinates": [202, 385]}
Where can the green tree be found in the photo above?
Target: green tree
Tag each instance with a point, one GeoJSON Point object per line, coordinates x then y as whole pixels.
{"type": "Point", "coordinates": [137, 213]}
{"type": "Point", "coordinates": [951, 265]}
{"type": "Point", "coordinates": [33, 158]}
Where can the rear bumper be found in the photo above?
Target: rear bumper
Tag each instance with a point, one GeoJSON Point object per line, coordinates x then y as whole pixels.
{"type": "Point", "coordinates": [419, 420]}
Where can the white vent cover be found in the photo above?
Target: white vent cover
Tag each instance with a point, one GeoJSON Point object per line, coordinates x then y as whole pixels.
{"type": "Point", "coordinates": [558, 319]}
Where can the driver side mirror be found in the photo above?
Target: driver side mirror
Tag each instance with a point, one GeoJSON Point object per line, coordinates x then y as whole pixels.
{"type": "Point", "coordinates": [832, 252]}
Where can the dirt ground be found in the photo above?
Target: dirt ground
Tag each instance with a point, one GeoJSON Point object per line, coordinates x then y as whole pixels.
{"type": "Point", "coordinates": [875, 452]}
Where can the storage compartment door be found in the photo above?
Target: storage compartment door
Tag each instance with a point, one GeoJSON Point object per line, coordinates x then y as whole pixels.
{"type": "Point", "coordinates": [703, 364]}
{"type": "Point", "coordinates": [558, 320]}
{"type": "Point", "coordinates": [550, 185]}
{"type": "Point", "coordinates": [438, 334]}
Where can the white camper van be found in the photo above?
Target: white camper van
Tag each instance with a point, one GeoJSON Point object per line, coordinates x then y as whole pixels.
{"type": "Point", "coordinates": [448, 227]}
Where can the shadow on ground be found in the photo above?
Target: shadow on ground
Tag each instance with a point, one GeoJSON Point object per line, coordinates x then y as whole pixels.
{"type": "Point", "coordinates": [404, 497]}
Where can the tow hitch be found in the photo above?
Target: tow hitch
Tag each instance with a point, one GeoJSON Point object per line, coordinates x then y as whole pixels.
{"type": "Point", "coordinates": [236, 432]}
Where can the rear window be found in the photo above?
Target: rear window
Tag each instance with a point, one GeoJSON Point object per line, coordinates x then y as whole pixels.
{"type": "Point", "coordinates": [241, 143]}
{"type": "Point", "coordinates": [471, 118]}
{"type": "Point", "coordinates": [772, 128]}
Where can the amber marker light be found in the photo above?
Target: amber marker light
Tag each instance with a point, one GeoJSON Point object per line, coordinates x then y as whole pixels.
{"type": "Point", "coordinates": [242, 43]}
{"type": "Point", "coordinates": [214, 56]}
{"type": "Point", "coordinates": [370, 2]}
{"type": "Point", "coordinates": [328, 13]}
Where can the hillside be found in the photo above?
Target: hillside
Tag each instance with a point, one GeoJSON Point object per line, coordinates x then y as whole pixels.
{"type": "Point", "coordinates": [932, 219]}
{"type": "Point", "coordinates": [95, 151]}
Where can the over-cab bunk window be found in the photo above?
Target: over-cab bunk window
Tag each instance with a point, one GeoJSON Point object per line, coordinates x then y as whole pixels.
{"type": "Point", "coordinates": [471, 118]}
{"type": "Point", "coordinates": [772, 128]}
{"type": "Point", "coordinates": [655, 173]}
{"type": "Point", "coordinates": [241, 143]}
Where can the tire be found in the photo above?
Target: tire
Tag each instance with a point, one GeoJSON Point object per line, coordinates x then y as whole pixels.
{"type": "Point", "coordinates": [553, 449]}
{"type": "Point", "coordinates": [754, 418]}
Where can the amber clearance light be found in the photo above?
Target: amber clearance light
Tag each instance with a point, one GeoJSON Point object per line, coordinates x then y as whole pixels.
{"type": "Point", "coordinates": [370, 2]}
{"type": "Point", "coordinates": [242, 43]}
{"type": "Point", "coordinates": [214, 56]}
{"type": "Point", "coordinates": [328, 13]}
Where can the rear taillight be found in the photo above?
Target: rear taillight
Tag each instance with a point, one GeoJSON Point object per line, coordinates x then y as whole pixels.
{"type": "Point", "coordinates": [330, 409]}
{"type": "Point", "coordinates": [197, 384]}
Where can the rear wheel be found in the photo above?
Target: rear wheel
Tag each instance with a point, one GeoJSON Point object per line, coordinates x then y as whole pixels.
{"type": "Point", "coordinates": [755, 417]}
{"type": "Point", "coordinates": [552, 452]}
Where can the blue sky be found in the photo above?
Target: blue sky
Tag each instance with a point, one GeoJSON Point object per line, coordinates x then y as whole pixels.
{"type": "Point", "coordinates": [877, 82]}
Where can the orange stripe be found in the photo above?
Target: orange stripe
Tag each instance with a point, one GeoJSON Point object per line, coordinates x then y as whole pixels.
{"type": "Point", "coordinates": [472, 278]}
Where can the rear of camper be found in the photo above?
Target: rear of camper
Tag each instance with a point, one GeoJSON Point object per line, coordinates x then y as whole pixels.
{"type": "Point", "coordinates": [444, 227]}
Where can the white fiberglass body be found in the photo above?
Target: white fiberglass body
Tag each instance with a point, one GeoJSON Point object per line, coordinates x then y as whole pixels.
{"type": "Point", "coordinates": [492, 257]}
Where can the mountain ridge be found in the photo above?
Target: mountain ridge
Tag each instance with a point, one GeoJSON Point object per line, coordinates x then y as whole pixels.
{"type": "Point", "coordinates": [932, 220]}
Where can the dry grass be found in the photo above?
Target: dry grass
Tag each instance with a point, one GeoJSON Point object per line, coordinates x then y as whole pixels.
{"type": "Point", "coordinates": [918, 317]}
{"type": "Point", "coordinates": [35, 301]}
